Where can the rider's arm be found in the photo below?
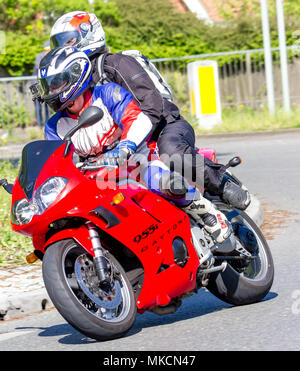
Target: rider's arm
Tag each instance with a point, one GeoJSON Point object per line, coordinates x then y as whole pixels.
{"type": "Point", "coordinates": [128, 73]}
{"type": "Point", "coordinates": [51, 127]}
{"type": "Point", "coordinates": [125, 112]}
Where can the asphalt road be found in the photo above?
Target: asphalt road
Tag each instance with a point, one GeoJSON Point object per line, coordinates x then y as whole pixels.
{"type": "Point", "coordinates": [271, 170]}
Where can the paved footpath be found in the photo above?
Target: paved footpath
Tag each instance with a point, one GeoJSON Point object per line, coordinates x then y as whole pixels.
{"type": "Point", "coordinates": [22, 291]}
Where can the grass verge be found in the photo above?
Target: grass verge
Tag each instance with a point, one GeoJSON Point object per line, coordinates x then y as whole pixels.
{"type": "Point", "coordinates": [247, 119]}
{"type": "Point", "coordinates": [13, 246]}
{"type": "Point", "coordinates": [19, 135]}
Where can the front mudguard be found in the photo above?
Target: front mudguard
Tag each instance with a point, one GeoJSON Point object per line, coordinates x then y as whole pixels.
{"type": "Point", "coordinates": [80, 235]}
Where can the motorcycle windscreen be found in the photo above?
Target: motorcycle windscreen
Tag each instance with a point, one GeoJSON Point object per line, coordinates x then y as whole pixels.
{"type": "Point", "coordinates": [34, 157]}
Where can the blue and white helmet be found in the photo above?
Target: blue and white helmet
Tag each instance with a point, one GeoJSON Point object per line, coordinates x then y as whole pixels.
{"type": "Point", "coordinates": [64, 74]}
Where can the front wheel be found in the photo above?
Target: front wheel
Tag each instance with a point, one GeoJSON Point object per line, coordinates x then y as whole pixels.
{"type": "Point", "coordinates": [73, 286]}
{"type": "Point", "coordinates": [247, 280]}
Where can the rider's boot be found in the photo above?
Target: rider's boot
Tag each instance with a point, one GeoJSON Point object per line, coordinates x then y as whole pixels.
{"type": "Point", "coordinates": [174, 187]}
{"type": "Point", "coordinates": [236, 195]}
{"type": "Point", "coordinates": [214, 221]}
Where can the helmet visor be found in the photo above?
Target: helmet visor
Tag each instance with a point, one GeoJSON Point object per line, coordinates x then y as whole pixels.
{"type": "Point", "coordinates": [50, 86]}
{"type": "Point", "coordinates": [68, 38]}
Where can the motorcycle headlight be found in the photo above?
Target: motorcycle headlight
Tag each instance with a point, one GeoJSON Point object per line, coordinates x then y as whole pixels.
{"type": "Point", "coordinates": [47, 193]}
{"type": "Point", "coordinates": [23, 211]}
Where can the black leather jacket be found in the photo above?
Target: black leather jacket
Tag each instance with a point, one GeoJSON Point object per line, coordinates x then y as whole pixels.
{"type": "Point", "coordinates": [127, 72]}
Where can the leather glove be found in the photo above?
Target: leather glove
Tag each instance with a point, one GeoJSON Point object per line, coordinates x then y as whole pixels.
{"type": "Point", "coordinates": [116, 157]}
{"type": "Point", "coordinates": [119, 155]}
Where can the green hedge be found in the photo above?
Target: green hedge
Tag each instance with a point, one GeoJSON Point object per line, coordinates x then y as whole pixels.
{"type": "Point", "coordinates": [151, 26]}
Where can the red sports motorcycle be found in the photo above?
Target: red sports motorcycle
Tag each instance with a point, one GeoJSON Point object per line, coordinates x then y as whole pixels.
{"type": "Point", "coordinates": [111, 251]}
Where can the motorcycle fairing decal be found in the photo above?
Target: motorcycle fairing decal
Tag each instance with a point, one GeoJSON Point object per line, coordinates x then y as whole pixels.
{"type": "Point", "coordinates": [34, 157]}
{"type": "Point", "coordinates": [160, 238]}
{"type": "Point", "coordinates": [146, 233]}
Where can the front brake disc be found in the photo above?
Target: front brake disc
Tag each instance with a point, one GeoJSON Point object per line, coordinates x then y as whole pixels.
{"type": "Point", "coordinates": [106, 301]}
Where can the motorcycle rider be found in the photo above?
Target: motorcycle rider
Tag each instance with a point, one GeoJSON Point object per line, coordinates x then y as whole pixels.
{"type": "Point", "coordinates": [63, 82]}
{"type": "Point", "coordinates": [174, 135]}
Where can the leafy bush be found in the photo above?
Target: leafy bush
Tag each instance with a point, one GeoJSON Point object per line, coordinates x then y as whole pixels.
{"type": "Point", "coordinates": [13, 115]}
{"type": "Point", "coordinates": [27, 25]}
{"type": "Point", "coordinates": [153, 27]}
{"type": "Point", "coordinates": [156, 29]}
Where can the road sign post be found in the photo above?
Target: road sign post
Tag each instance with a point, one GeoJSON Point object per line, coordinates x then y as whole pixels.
{"type": "Point", "coordinates": [283, 57]}
{"type": "Point", "coordinates": [268, 56]}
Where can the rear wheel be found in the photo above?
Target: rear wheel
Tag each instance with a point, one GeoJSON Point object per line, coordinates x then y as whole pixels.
{"type": "Point", "coordinates": [247, 280]}
{"type": "Point", "coordinates": [73, 286]}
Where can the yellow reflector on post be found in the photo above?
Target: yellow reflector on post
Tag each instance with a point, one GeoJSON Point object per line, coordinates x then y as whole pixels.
{"type": "Point", "coordinates": [193, 103]}
{"type": "Point", "coordinates": [207, 90]}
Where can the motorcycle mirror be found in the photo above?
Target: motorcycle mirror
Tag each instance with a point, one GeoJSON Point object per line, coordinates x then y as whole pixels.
{"type": "Point", "coordinates": [6, 186]}
{"type": "Point", "coordinates": [235, 161]}
{"type": "Point", "coordinates": [90, 116]}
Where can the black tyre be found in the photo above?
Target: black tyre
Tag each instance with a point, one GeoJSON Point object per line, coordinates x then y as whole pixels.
{"type": "Point", "coordinates": [252, 283]}
{"type": "Point", "coordinates": [72, 285]}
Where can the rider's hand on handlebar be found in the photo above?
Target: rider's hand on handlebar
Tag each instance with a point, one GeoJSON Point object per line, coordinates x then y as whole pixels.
{"type": "Point", "coordinates": [117, 157]}
{"type": "Point", "coordinates": [92, 164]}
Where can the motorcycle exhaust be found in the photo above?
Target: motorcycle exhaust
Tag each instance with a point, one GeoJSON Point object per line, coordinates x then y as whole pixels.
{"type": "Point", "coordinates": [221, 267]}
{"type": "Point", "coordinates": [171, 308]}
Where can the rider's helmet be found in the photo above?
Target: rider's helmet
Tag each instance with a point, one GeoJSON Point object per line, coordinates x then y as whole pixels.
{"type": "Point", "coordinates": [64, 74]}
{"type": "Point", "coordinates": [80, 29]}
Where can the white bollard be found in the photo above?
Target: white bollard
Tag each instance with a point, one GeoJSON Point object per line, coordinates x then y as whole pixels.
{"type": "Point", "coordinates": [203, 77]}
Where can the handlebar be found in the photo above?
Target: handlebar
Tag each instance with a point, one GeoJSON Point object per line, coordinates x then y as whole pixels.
{"type": "Point", "coordinates": [79, 165]}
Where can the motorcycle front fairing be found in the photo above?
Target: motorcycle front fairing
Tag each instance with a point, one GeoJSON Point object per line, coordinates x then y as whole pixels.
{"type": "Point", "coordinates": [145, 223]}
{"type": "Point", "coordinates": [41, 161]}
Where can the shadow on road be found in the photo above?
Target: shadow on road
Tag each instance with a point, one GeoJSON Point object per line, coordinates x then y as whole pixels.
{"type": "Point", "coordinates": [196, 306]}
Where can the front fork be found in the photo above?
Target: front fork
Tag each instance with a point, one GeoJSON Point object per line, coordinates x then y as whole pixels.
{"type": "Point", "coordinates": [100, 262]}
